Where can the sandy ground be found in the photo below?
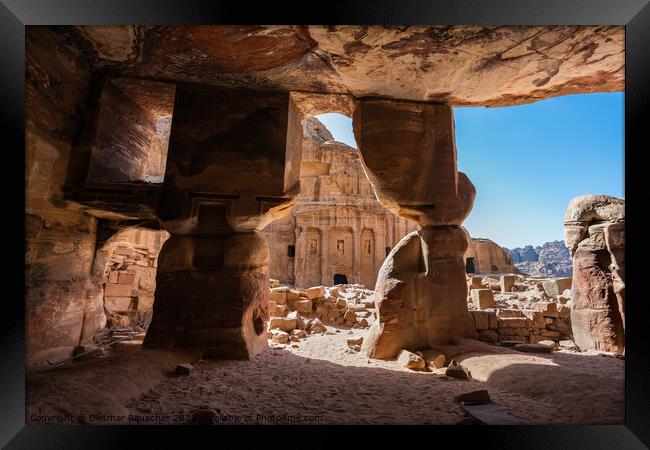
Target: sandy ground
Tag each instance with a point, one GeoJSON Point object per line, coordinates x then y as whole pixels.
{"type": "Point", "coordinates": [320, 383]}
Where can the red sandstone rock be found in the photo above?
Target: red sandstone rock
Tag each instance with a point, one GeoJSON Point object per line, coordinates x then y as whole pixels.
{"type": "Point", "coordinates": [412, 63]}
{"type": "Point", "coordinates": [597, 315]}
{"type": "Point", "coordinates": [234, 157]}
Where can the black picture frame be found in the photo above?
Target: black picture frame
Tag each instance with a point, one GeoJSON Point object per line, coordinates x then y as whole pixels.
{"type": "Point", "coordinates": [634, 14]}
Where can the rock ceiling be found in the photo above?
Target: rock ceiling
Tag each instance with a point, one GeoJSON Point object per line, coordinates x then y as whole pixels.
{"type": "Point", "coordinates": [458, 65]}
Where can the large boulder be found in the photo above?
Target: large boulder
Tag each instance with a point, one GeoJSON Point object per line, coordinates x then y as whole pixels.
{"type": "Point", "coordinates": [594, 231]}
{"type": "Point", "coordinates": [556, 286]}
{"type": "Point", "coordinates": [421, 294]}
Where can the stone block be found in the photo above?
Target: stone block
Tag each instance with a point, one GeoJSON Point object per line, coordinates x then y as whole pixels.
{"type": "Point", "coordinates": [410, 360]}
{"type": "Point", "coordinates": [478, 286]}
{"type": "Point", "coordinates": [511, 322]}
{"type": "Point", "coordinates": [278, 295]}
{"type": "Point", "coordinates": [316, 326]}
{"type": "Point", "coordinates": [548, 343]}
{"type": "Point", "coordinates": [510, 332]}
{"type": "Point", "coordinates": [303, 306]}
{"type": "Point", "coordinates": [481, 321]}
{"type": "Point", "coordinates": [507, 282]}
{"type": "Point", "coordinates": [483, 298]}
{"type": "Point", "coordinates": [354, 341]}
{"type": "Point", "coordinates": [118, 290]}
{"type": "Point", "coordinates": [279, 336]}
{"type": "Point", "coordinates": [551, 334]}
{"type": "Point", "coordinates": [315, 292]}
{"type": "Point", "coordinates": [556, 286]}
{"type": "Point", "coordinates": [126, 278]}
{"type": "Point", "coordinates": [536, 318]}
{"type": "Point", "coordinates": [350, 316]}
{"type": "Point", "coordinates": [272, 308]}
{"type": "Point", "coordinates": [292, 296]}
{"type": "Point", "coordinates": [113, 276]}
{"type": "Point", "coordinates": [458, 371]}
{"type": "Point", "coordinates": [298, 333]}
{"type": "Point", "coordinates": [434, 359]}
{"type": "Point", "coordinates": [488, 335]}
{"type": "Point", "coordinates": [568, 344]}
{"type": "Point", "coordinates": [284, 323]}
{"type": "Point", "coordinates": [492, 320]}
{"type": "Point", "coordinates": [509, 313]}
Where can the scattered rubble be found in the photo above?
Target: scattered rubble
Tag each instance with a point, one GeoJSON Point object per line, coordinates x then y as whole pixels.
{"type": "Point", "coordinates": [296, 313]}
{"type": "Point", "coordinates": [523, 309]}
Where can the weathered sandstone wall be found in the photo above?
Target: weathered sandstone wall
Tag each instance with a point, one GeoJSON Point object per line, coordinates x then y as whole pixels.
{"type": "Point", "coordinates": [62, 305]}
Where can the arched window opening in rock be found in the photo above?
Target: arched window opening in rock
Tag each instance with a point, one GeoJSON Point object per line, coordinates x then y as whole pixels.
{"type": "Point", "coordinates": [131, 137]}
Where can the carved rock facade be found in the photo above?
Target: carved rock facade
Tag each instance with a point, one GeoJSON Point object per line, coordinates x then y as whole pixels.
{"type": "Point", "coordinates": [337, 226]}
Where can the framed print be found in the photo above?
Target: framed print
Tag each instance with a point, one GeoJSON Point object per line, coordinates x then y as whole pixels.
{"type": "Point", "coordinates": [374, 214]}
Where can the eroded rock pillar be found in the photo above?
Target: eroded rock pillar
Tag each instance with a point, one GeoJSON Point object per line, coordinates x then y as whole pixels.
{"type": "Point", "coordinates": [233, 167]}
{"type": "Point", "coordinates": [594, 231]}
{"type": "Point", "coordinates": [409, 155]}
{"type": "Point", "coordinates": [211, 294]}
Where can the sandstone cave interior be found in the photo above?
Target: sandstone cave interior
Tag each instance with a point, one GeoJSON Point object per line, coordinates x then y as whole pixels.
{"type": "Point", "coordinates": [199, 245]}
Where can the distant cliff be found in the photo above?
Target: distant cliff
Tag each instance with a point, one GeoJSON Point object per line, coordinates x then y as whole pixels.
{"type": "Point", "coordinates": [551, 258]}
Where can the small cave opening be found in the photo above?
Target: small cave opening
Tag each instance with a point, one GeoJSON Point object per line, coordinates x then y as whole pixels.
{"type": "Point", "coordinates": [469, 265]}
{"type": "Point", "coordinates": [258, 324]}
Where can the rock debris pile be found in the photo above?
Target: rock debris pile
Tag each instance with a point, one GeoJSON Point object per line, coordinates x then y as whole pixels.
{"type": "Point", "coordinates": [295, 313]}
{"type": "Point", "coordinates": [516, 308]}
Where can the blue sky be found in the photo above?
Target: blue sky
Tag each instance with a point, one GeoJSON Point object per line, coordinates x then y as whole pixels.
{"type": "Point", "coordinates": [527, 162]}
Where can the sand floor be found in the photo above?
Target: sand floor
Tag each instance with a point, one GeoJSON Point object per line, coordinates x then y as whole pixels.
{"type": "Point", "coordinates": [320, 383]}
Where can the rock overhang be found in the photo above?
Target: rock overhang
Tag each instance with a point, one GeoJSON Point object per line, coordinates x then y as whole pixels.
{"type": "Point", "coordinates": [459, 65]}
